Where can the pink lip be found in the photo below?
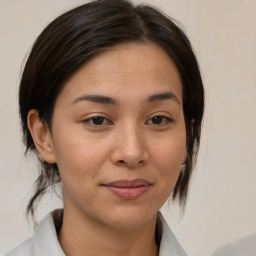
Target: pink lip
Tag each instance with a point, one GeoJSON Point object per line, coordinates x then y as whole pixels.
{"type": "Point", "coordinates": [128, 189]}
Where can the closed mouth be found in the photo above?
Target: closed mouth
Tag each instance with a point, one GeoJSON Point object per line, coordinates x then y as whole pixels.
{"type": "Point", "coordinates": [128, 189]}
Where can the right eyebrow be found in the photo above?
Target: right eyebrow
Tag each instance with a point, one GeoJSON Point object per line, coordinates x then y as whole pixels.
{"type": "Point", "coordinates": [97, 99]}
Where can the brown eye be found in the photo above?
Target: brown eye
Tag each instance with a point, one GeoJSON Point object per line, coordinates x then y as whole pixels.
{"type": "Point", "coordinates": [160, 120]}
{"type": "Point", "coordinates": [98, 120]}
{"type": "Point", "coordinates": [157, 119]}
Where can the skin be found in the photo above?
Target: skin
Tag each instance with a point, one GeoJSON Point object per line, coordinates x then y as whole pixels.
{"type": "Point", "coordinates": [137, 137]}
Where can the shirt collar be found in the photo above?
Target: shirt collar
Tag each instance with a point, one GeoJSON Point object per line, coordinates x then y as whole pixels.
{"type": "Point", "coordinates": [46, 240]}
{"type": "Point", "coordinates": [169, 245]}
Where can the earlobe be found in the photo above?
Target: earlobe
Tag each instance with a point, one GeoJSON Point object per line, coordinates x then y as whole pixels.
{"type": "Point", "coordinates": [185, 157]}
{"type": "Point", "coordinates": [41, 136]}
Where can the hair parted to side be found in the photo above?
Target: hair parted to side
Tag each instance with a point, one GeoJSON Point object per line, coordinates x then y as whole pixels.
{"type": "Point", "coordinates": [75, 36]}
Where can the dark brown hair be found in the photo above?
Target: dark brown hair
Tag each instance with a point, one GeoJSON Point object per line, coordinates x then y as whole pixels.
{"type": "Point", "coordinates": [75, 36]}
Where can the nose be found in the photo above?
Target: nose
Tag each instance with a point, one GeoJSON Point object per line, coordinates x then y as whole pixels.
{"type": "Point", "coordinates": [130, 149]}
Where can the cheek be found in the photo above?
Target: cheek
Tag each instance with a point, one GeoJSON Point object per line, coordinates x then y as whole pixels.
{"type": "Point", "coordinates": [79, 166]}
{"type": "Point", "coordinates": [77, 155]}
{"type": "Point", "coordinates": [169, 152]}
{"type": "Point", "coordinates": [167, 155]}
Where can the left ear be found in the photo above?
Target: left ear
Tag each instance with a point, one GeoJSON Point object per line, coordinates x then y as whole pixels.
{"type": "Point", "coordinates": [41, 136]}
{"type": "Point", "coordinates": [185, 157]}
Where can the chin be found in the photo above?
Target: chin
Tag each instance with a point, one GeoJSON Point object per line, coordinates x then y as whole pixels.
{"type": "Point", "coordinates": [130, 219]}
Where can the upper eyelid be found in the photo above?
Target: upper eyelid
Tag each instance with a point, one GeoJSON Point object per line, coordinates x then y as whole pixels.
{"type": "Point", "coordinates": [96, 114]}
{"type": "Point", "coordinates": [90, 118]}
{"type": "Point", "coordinates": [160, 113]}
{"type": "Point", "coordinates": [87, 120]}
{"type": "Point", "coordinates": [166, 117]}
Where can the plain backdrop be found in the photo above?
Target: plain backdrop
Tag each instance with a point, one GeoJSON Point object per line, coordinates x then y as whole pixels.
{"type": "Point", "coordinates": [222, 202]}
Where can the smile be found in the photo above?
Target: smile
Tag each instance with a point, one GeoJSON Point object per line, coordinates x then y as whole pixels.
{"type": "Point", "coordinates": [128, 189]}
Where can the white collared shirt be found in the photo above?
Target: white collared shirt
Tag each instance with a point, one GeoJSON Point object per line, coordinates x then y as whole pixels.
{"type": "Point", "coordinates": [45, 241]}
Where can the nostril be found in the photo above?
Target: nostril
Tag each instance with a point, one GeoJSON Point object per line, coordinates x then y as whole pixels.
{"type": "Point", "coordinates": [141, 162]}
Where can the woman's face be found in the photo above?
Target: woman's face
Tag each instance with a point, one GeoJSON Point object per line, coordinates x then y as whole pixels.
{"type": "Point", "coordinates": [118, 135]}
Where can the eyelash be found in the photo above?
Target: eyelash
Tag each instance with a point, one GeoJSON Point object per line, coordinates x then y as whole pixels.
{"type": "Point", "coordinates": [160, 118]}
{"type": "Point", "coordinates": [94, 118]}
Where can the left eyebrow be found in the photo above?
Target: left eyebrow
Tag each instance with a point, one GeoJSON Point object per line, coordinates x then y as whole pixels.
{"type": "Point", "coordinates": [162, 96]}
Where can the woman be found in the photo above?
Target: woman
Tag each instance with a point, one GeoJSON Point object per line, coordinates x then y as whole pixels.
{"type": "Point", "coordinates": [111, 101]}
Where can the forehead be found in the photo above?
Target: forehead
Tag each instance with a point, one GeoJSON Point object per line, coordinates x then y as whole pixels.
{"type": "Point", "coordinates": [130, 69]}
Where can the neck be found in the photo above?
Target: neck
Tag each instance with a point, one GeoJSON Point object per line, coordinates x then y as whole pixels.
{"type": "Point", "coordinates": [80, 236]}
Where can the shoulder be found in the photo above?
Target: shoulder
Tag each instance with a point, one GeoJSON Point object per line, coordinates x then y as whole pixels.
{"type": "Point", "coordinates": [245, 246]}
{"type": "Point", "coordinates": [44, 241]}
{"type": "Point", "coordinates": [168, 241]}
